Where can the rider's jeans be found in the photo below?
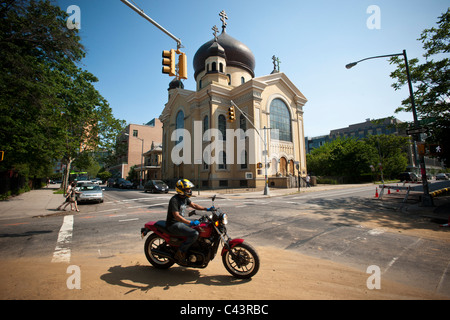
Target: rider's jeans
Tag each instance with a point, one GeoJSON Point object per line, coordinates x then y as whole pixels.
{"type": "Point", "coordinates": [183, 230]}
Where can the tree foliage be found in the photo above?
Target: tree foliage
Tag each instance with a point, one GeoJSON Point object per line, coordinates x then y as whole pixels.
{"type": "Point", "coordinates": [49, 107]}
{"type": "Point", "coordinates": [431, 80]}
{"type": "Point", "coordinates": [354, 158]}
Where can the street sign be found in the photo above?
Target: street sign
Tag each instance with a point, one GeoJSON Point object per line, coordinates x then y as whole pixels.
{"type": "Point", "coordinates": [419, 130]}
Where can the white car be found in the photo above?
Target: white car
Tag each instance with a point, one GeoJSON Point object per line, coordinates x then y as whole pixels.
{"type": "Point", "coordinates": [90, 192]}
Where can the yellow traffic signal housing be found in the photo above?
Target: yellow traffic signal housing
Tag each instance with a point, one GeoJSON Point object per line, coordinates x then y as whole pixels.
{"type": "Point", "coordinates": [421, 148]}
{"type": "Point", "coordinates": [169, 62]}
{"type": "Point", "coordinates": [182, 66]}
{"type": "Point", "coordinates": [2, 154]}
{"type": "Point", "coordinates": [231, 114]}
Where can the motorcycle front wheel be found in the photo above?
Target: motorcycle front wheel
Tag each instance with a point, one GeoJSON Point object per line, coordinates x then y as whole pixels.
{"type": "Point", "coordinates": [156, 242]}
{"type": "Point", "coordinates": [242, 261]}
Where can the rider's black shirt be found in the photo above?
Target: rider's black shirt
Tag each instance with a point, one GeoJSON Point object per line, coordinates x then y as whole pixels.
{"type": "Point", "coordinates": [176, 204]}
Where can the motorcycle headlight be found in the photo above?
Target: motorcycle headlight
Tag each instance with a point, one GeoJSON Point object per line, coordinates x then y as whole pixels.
{"type": "Point", "coordinates": [225, 218]}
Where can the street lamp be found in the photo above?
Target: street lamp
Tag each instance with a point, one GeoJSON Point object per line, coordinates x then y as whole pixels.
{"type": "Point", "coordinates": [427, 200]}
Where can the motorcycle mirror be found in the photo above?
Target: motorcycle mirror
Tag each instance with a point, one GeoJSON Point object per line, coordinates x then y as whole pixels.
{"type": "Point", "coordinates": [191, 213]}
{"type": "Point", "coordinates": [213, 198]}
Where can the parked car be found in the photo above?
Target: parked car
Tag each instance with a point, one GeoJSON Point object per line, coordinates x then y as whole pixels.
{"type": "Point", "coordinates": [408, 176]}
{"type": "Point", "coordinates": [441, 176]}
{"type": "Point", "coordinates": [125, 184]}
{"type": "Point", "coordinates": [90, 192]}
{"type": "Point", "coordinates": [81, 183]}
{"type": "Point", "coordinates": [156, 186]}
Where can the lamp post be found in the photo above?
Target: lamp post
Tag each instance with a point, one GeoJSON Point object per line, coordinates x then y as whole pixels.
{"type": "Point", "coordinates": [427, 200]}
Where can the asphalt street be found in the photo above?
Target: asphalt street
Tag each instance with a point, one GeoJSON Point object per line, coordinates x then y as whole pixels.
{"type": "Point", "coordinates": [330, 224]}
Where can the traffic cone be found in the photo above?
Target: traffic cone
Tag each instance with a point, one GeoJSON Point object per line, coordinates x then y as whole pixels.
{"type": "Point", "coordinates": [447, 224]}
{"type": "Point", "coordinates": [376, 193]}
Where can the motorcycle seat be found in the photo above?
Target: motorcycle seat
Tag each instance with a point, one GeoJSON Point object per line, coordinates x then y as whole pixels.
{"type": "Point", "coordinates": [161, 225]}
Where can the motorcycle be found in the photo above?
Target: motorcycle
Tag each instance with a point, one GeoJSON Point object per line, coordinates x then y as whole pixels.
{"type": "Point", "coordinates": [239, 258]}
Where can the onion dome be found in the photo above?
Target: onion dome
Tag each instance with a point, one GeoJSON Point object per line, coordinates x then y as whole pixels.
{"type": "Point", "coordinates": [175, 84]}
{"type": "Point", "coordinates": [236, 53]}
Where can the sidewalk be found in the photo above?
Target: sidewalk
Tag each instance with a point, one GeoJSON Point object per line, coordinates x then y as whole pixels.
{"type": "Point", "coordinates": [44, 202]}
{"type": "Point", "coordinates": [30, 204]}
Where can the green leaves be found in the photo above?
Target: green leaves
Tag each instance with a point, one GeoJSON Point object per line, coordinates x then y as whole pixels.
{"type": "Point", "coordinates": [49, 107]}
{"type": "Point", "coordinates": [431, 80]}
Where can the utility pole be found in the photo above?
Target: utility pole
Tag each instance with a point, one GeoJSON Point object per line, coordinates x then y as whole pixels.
{"type": "Point", "coordinates": [264, 140]}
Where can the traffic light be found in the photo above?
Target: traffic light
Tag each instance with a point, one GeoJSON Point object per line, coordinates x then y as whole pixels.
{"type": "Point", "coordinates": [231, 114]}
{"type": "Point", "coordinates": [169, 62]}
{"type": "Point", "coordinates": [2, 154]}
{"type": "Point", "coordinates": [182, 66]}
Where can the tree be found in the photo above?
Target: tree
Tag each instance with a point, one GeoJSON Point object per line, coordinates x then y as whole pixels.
{"type": "Point", "coordinates": [432, 83]}
{"type": "Point", "coordinates": [392, 153]}
{"type": "Point", "coordinates": [49, 108]}
{"type": "Point", "coordinates": [348, 157]}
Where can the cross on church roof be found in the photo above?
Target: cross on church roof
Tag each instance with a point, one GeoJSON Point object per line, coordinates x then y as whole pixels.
{"type": "Point", "coordinates": [215, 29]}
{"type": "Point", "coordinates": [276, 63]}
{"type": "Point", "coordinates": [224, 17]}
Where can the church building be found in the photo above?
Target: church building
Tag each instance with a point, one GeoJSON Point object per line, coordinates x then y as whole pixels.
{"type": "Point", "coordinates": [268, 110]}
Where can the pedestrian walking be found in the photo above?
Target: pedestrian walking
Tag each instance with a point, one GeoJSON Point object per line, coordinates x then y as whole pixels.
{"type": "Point", "coordinates": [308, 180]}
{"type": "Point", "coordinates": [71, 198]}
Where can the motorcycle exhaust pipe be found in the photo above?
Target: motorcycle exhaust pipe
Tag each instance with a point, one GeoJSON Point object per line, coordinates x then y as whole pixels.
{"type": "Point", "coordinates": [162, 253]}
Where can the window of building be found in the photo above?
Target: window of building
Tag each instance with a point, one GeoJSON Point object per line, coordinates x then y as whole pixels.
{"type": "Point", "coordinates": [179, 123]}
{"type": "Point", "coordinates": [242, 80]}
{"type": "Point", "coordinates": [135, 133]}
{"type": "Point", "coordinates": [280, 121]}
{"type": "Point", "coordinates": [223, 126]}
{"type": "Point", "coordinates": [244, 161]}
{"type": "Point", "coordinates": [223, 165]}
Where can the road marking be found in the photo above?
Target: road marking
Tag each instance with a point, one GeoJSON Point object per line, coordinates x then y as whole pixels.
{"type": "Point", "coordinates": [401, 254]}
{"type": "Point", "coordinates": [126, 220]}
{"type": "Point", "coordinates": [62, 250]}
{"type": "Point", "coordinates": [441, 280]}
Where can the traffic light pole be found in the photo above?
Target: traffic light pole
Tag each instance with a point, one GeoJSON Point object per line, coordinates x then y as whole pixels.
{"type": "Point", "coordinates": [146, 17]}
{"type": "Point", "coordinates": [264, 140]}
{"type": "Point", "coordinates": [427, 200]}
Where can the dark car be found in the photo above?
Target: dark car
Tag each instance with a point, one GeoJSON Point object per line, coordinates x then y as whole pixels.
{"type": "Point", "coordinates": [125, 184]}
{"type": "Point", "coordinates": [156, 186]}
{"type": "Point", "coordinates": [408, 176]}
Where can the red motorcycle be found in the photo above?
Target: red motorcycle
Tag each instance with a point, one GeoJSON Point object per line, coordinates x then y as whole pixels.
{"type": "Point", "coordinates": [239, 258]}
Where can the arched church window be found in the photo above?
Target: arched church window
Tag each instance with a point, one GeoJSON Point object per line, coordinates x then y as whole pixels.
{"type": "Point", "coordinates": [280, 121]}
{"type": "Point", "coordinates": [221, 67]}
{"type": "Point", "coordinates": [214, 66]}
{"type": "Point", "coordinates": [179, 123]}
{"type": "Point", "coordinates": [223, 126]}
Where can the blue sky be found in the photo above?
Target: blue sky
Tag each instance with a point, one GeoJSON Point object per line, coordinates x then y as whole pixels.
{"type": "Point", "coordinates": [313, 39]}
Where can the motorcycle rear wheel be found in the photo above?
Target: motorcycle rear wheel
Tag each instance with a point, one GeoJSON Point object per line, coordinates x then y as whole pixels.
{"type": "Point", "coordinates": [243, 262]}
{"type": "Point", "coordinates": [156, 242]}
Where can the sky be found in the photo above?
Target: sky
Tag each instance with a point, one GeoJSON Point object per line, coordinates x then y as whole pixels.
{"type": "Point", "coordinates": [313, 39]}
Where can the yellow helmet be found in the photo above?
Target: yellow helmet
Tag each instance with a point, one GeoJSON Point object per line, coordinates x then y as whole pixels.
{"type": "Point", "coordinates": [184, 187]}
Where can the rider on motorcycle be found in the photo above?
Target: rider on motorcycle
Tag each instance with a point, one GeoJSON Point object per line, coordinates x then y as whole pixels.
{"type": "Point", "coordinates": [176, 223]}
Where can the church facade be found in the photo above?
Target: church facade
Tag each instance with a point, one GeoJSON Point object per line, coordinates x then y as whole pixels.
{"type": "Point", "coordinates": [202, 145]}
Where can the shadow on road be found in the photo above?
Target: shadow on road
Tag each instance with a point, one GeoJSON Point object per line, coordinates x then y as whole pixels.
{"type": "Point", "coordinates": [145, 278]}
